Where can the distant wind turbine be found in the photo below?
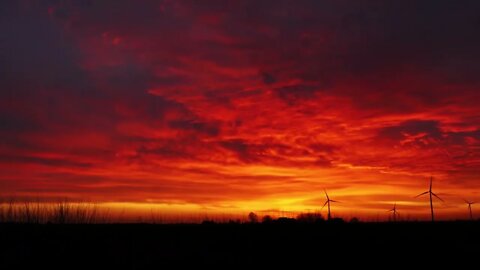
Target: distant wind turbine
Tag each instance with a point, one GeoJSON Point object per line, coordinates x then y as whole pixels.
{"type": "Point", "coordinates": [394, 211]}
{"type": "Point", "coordinates": [328, 203]}
{"type": "Point", "coordinates": [430, 192]}
{"type": "Point", "coordinates": [470, 208]}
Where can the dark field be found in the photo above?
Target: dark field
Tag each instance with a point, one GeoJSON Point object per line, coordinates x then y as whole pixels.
{"type": "Point", "coordinates": [143, 246]}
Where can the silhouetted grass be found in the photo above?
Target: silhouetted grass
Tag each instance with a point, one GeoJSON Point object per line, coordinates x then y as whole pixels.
{"type": "Point", "coordinates": [63, 212]}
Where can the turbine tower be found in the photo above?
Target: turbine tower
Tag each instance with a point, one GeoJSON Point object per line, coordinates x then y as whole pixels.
{"type": "Point", "coordinates": [430, 192]}
{"type": "Point", "coordinates": [394, 211]}
{"type": "Point", "coordinates": [327, 203]}
{"type": "Point", "coordinates": [470, 208]}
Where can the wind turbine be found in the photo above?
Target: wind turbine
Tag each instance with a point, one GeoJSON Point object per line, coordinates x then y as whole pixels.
{"type": "Point", "coordinates": [328, 202]}
{"type": "Point", "coordinates": [470, 208]}
{"type": "Point", "coordinates": [394, 210]}
{"type": "Point", "coordinates": [430, 192]}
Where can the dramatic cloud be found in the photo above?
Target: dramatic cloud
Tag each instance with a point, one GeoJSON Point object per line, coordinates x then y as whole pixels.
{"type": "Point", "coordinates": [241, 105]}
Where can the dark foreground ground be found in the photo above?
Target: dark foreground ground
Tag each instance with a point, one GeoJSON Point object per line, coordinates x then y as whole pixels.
{"type": "Point", "coordinates": [226, 246]}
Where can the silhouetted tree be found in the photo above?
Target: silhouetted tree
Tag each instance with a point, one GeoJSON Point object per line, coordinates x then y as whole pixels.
{"type": "Point", "coordinates": [252, 217]}
{"type": "Point", "coordinates": [267, 219]}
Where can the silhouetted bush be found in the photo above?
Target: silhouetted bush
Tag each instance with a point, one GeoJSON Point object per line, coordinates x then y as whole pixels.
{"type": "Point", "coordinates": [310, 218]}
{"type": "Point", "coordinates": [337, 220]}
{"type": "Point", "coordinates": [208, 222]}
{"type": "Point", "coordinates": [234, 222]}
{"type": "Point", "coordinates": [354, 220]}
{"type": "Point", "coordinates": [285, 220]}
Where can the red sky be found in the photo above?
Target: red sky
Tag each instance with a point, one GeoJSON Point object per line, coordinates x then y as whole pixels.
{"type": "Point", "coordinates": [237, 106]}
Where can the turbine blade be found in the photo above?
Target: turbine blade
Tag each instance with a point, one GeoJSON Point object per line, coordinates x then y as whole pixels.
{"type": "Point", "coordinates": [426, 192]}
{"type": "Point", "coordinates": [437, 197]}
{"type": "Point", "coordinates": [334, 201]}
{"type": "Point", "coordinates": [326, 194]}
{"type": "Point", "coordinates": [323, 205]}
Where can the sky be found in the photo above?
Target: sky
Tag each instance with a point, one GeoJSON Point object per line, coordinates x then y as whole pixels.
{"type": "Point", "coordinates": [204, 107]}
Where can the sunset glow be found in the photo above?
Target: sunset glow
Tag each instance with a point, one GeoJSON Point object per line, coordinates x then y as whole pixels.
{"type": "Point", "coordinates": [193, 109]}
